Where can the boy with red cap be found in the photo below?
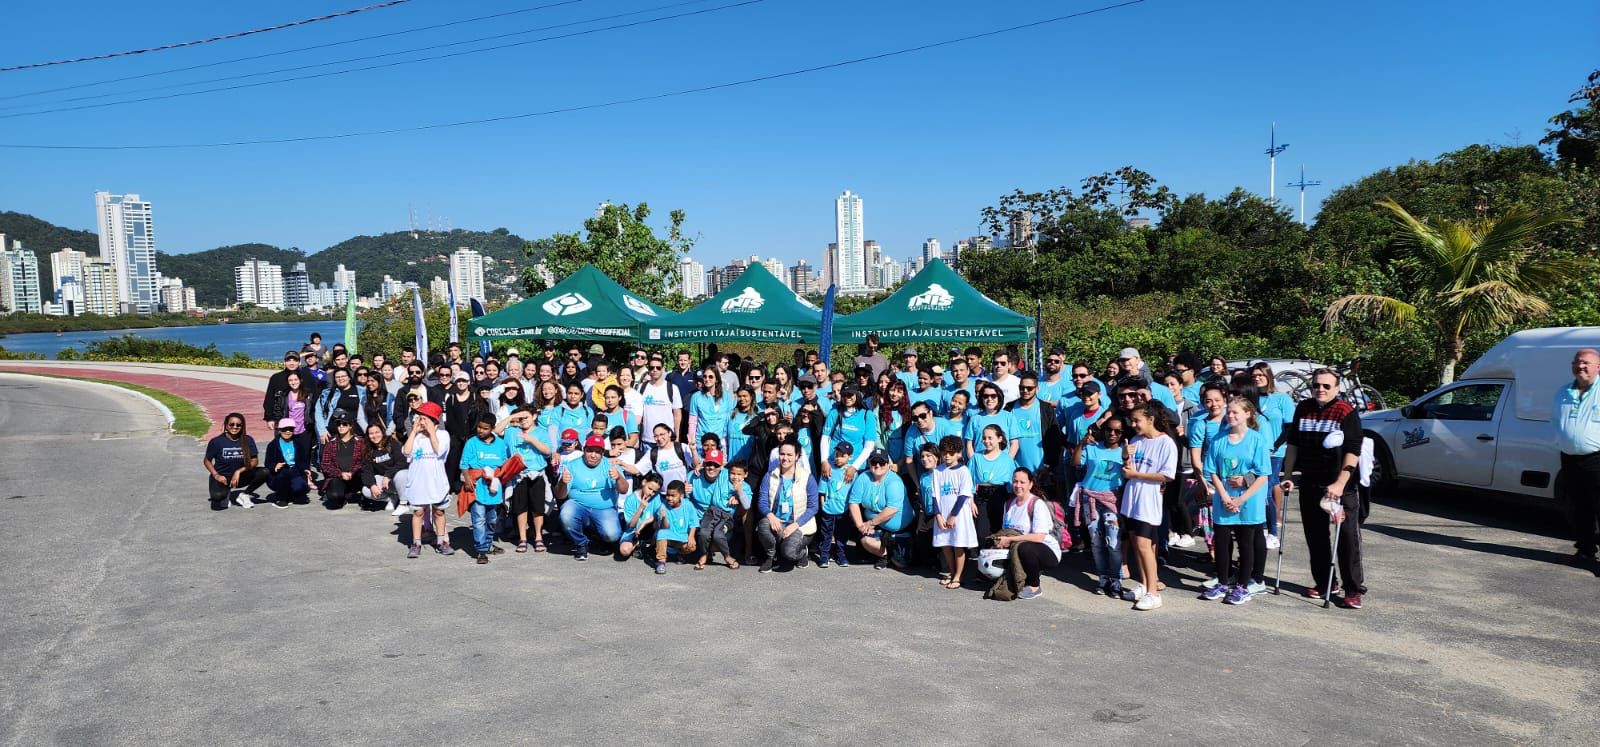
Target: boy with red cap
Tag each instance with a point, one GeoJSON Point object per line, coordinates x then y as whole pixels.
{"type": "Point", "coordinates": [714, 505]}
{"type": "Point", "coordinates": [593, 484]}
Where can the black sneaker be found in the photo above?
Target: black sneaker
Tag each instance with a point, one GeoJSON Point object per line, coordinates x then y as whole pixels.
{"type": "Point", "coordinates": [281, 503]}
{"type": "Point", "coordinates": [580, 555]}
{"type": "Point", "coordinates": [483, 558]}
{"type": "Point", "coordinates": [881, 564]}
{"type": "Point", "coordinates": [766, 565]}
{"type": "Point", "coordinates": [803, 562]}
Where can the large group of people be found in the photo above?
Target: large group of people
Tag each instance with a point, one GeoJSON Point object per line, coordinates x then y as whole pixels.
{"type": "Point", "coordinates": [968, 465]}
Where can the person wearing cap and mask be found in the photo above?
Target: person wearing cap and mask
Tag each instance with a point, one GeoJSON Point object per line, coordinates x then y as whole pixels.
{"type": "Point", "coordinates": [425, 488]}
{"type": "Point", "coordinates": [879, 510]}
{"type": "Point", "coordinates": [342, 456]}
{"type": "Point", "coordinates": [289, 465]}
{"type": "Point", "coordinates": [811, 393]}
{"type": "Point", "coordinates": [715, 510]}
{"type": "Point", "coordinates": [593, 484]}
{"type": "Point", "coordinates": [851, 422]}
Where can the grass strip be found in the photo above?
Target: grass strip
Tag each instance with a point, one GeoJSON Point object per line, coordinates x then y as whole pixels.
{"type": "Point", "coordinates": [187, 417]}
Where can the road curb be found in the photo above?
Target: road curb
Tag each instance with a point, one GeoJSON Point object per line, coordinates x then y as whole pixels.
{"type": "Point", "coordinates": [165, 411]}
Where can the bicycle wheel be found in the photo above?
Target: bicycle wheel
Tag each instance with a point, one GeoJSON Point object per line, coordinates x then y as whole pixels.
{"type": "Point", "coordinates": [1293, 384]}
{"type": "Point", "coordinates": [1374, 400]}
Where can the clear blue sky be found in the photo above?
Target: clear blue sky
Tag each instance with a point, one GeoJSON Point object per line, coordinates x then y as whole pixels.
{"type": "Point", "coordinates": [1184, 90]}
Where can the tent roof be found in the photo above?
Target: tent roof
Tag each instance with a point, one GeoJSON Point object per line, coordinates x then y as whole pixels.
{"type": "Point", "coordinates": [585, 305]}
{"type": "Point", "coordinates": [757, 307]}
{"type": "Point", "coordinates": [934, 306]}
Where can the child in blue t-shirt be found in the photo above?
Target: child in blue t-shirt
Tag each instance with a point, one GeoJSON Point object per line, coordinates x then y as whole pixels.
{"type": "Point", "coordinates": [1237, 463]}
{"type": "Point", "coordinates": [1100, 462]}
{"type": "Point", "coordinates": [638, 508]}
{"type": "Point", "coordinates": [674, 522]}
{"type": "Point", "coordinates": [834, 495]}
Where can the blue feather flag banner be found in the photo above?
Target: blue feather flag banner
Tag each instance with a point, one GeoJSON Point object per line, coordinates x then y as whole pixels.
{"type": "Point", "coordinates": [477, 311]}
{"type": "Point", "coordinates": [453, 324]}
{"type": "Point", "coordinates": [825, 345]}
{"type": "Point", "coordinates": [422, 324]}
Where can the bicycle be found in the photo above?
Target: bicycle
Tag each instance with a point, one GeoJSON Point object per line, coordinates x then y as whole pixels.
{"type": "Point", "coordinates": [1360, 396]}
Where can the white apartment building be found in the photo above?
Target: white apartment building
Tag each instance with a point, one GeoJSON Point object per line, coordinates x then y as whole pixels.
{"type": "Point", "coordinates": [851, 274]}
{"type": "Point", "coordinates": [175, 297]}
{"type": "Point", "coordinates": [439, 290]}
{"type": "Point", "coordinates": [466, 274]}
{"type": "Point", "coordinates": [128, 242]}
{"type": "Point", "coordinates": [100, 288]}
{"type": "Point", "coordinates": [344, 279]}
{"type": "Point", "coordinates": [259, 282]}
{"type": "Point", "coordinates": [19, 279]}
{"type": "Point", "coordinates": [691, 278]}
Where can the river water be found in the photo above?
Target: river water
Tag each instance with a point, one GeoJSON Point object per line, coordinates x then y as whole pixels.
{"type": "Point", "coordinates": [266, 340]}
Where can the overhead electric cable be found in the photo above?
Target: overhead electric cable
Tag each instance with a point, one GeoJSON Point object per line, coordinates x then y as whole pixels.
{"type": "Point", "coordinates": [396, 63]}
{"type": "Point", "coordinates": [282, 52]}
{"type": "Point", "coordinates": [208, 40]}
{"type": "Point", "coordinates": [588, 107]}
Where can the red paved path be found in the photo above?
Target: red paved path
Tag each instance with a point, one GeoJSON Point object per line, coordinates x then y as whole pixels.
{"type": "Point", "coordinates": [215, 399]}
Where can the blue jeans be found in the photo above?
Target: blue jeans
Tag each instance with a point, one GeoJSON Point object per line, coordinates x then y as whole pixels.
{"type": "Point", "coordinates": [1105, 540]}
{"type": "Point", "coordinates": [1272, 508]}
{"type": "Point", "coordinates": [576, 519]}
{"type": "Point", "coordinates": [484, 520]}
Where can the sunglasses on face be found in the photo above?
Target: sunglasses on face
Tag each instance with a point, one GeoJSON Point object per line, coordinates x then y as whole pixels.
{"type": "Point", "coordinates": [991, 395]}
{"type": "Point", "coordinates": [1113, 430]}
{"type": "Point", "coordinates": [234, 425]}
{"type": "Point", "coordinates": [1080, 376]}
{"type": "Point", "coordinates": [1322, 387]}
{"type": "Point", "coordinates": [1027, 388]}
{"type": "Point", "coordinates": [1128, 395]}
{"type": "Point", "coordinates": [286, 430]}
{"type": "Point", "coordinates": [655, 368]}
{"type": "Point", "coordinates": [922, 416]}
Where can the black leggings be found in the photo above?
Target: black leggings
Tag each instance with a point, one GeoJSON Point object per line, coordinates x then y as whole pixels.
{"type": "Point", "coordinates": [249, 480]}
{"type": "Point", "coordinates": [1036, 558]}
{"type": "Point", "coordinates": [1177, 513]}
{"type": "Point", "coordinates": [991, 512]}
{"type": "Point", "coordinates": [337, 490]}
{"type": "Point", "coordinates": [1246, 535]}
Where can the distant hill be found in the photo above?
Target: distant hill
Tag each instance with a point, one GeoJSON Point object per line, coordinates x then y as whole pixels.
{"type": "Point", "coordinates": [401, 255]}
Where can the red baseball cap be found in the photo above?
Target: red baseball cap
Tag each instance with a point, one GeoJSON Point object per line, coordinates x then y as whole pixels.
{"type": "Point", "coordinates": [594, 442]}
{"type": "Point", "coordinates": [569, 436]}
{"type": "Point", "coordinates": [714, 456]}
{"type": "Point", "coordinates": [432, 410]}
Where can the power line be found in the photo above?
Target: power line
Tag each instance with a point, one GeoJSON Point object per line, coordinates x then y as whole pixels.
{"type": "Point", "coordinates": [295, 50]}
{"type": "Point", "coordinates": [397, 63]}
{"type": "Point", "coordinates": [208, 40]}
{"type": "Point", "coordinates": [602, 105]}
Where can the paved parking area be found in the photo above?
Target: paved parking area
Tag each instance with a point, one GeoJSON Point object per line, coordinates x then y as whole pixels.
{"type": "Point", "coordinates": [133, 614]}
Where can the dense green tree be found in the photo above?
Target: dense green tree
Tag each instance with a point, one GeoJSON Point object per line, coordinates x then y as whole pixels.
{"type": "Point", "coordinates": [622, 245]}
{"type": "Point", "coordinates": [1470, 275]}
{"type": "Point", "coordinates": [1576, 132]}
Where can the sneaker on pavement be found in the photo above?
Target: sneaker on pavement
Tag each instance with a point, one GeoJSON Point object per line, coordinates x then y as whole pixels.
{"type": "Point", "coordinates": [400, 509]}
{"type": "Point", "coordinates": [823, 563]}
{"type": "Point", "coordinates": [281, 503]}
{"type": "Point", "coordinates": [580, 555]}
{"type": "Point", "coordinates": [414, 552]}
{"type": "Point", "coordinates": [1172, 539]}
{"type": "Point", "coordinates": [496, 550]}
{"type": "Point", "coordinates": [1185, 540]}
{"type": "Point", "coordinates": [841, 561]}
{"type": "Point", "coordinates": [661, 568]}
{"type": "Point", "coordinates": [1027, 593]}
{"type": "Point", "coordinates": [1148, 602]}
{"type": "Point", "coordinates": [1237, 595]}
{"type": "Point", "coordinates": [1213, 593]}
{"type": "Point", "coordinates": [243, 500]}
{"type": "Point", "coordinates": [1350, 601]}
{"type": "Point", "coordinates": [1133, 592]}
{"type": "Point", "coordinates": [1272, 542]}
{"type": "Point", "coordinates": [883, 563]}
{"type": "Point", "coordinates": [1256, 587]}
{"type": "Point", "coordinates": [803, 562]}
{"type": "Point", "coordinates": [483, 558]}
{"type": "Point", "coordinates": [444, 548]}
{"type": "Point", "coordinates": [1311, 592]}
{"type": "Point", "coordinates": [766, 566]}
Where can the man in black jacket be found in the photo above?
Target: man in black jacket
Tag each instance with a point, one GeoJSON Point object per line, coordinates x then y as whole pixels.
{"type": "Point", "coordinates": [272, 405]}
{"type": "Point", "coordinates": [1324, 439]}
{"type": "Point", "coordinates": [413, 386]}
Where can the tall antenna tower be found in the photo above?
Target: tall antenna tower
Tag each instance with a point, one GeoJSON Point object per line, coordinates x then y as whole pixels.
{"type": "Point", "coordinates": [411, 216]}
{"type": "Point", "coordinates": [1273, 149]}
{"type": "Point", "coordinates": [1302, 184]}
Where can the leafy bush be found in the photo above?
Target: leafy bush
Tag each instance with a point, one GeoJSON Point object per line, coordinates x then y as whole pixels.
{"type": "Point", "coordinates": [148, 350]}
{"type": "Point", "coordinates": [7, 355]}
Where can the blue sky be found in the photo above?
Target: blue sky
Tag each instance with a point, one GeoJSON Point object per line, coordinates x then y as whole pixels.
{"type": "Point", "coordinates": [1184, 90]}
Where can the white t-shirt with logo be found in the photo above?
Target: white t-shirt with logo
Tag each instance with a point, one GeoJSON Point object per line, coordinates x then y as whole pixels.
{"type": "Point", "coordinates": [1141, 499]}
{"type": "Point", "coordinates": [656, 408]}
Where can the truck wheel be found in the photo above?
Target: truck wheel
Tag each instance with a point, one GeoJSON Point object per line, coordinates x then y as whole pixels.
{"type": "Point", "coordinates": [1383, 478]}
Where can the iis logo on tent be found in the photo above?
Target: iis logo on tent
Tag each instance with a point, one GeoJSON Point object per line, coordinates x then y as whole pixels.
{"type": "Point", "coordinates": [935, 298]}
{"type": "Point", "coordinates": [744, 303]}
{"type": "Point", "coordinates": [567, 304]}
{"type": "Point", "coordinates": [637, 305]}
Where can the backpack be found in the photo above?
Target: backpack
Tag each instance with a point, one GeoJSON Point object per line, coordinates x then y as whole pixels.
{"type": "Point", "coordinates": [1058, 523]}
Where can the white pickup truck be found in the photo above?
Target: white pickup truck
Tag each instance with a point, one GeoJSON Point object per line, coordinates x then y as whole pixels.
{"type": "Point", "coordinates": [1490, 430]}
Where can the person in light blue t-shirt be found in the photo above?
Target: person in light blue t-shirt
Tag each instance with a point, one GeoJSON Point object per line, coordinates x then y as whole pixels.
{"type": "Point", "coordinates": [990, 412]}
{"type": "Point", "coordinates": [833, 492]}
{"type": "Point", "coordinates": [486, 453]}
{"type": "Point", "coordinates": [879, 510]}
{"type": "Point", "coordinates": [1236, 465]}
{"type": "Point", "coordinates": [593, 484]}
{"type": "Point", "coordinates": [924, 389]}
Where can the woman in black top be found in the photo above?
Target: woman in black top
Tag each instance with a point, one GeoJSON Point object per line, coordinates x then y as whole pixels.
{"type": "Point", "coordinates": [231, 460]}
{"type": "Point", "coordinates": [384, 460]}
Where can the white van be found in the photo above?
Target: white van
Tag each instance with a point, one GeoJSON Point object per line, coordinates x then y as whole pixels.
{"type": "Point", "coordinates": [1490, 430]}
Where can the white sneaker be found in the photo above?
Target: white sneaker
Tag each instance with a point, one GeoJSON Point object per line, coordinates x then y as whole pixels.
{"type": "Point", "coordinates": [243, 500]}
{"type": "Point", "coordinates": [400, 510]}
{"type": "Point", "coordinates": [1148, 602]}
{"type": "Point", "coordinates": [1173, 540]}
{"type": "Point", "coordinates": [1272, 542]}
{"type": "Point", "coordinates": [1185, 540]}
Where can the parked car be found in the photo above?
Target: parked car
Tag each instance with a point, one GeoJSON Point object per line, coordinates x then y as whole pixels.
{"type": "Point", "coordinates": [1490, 430]}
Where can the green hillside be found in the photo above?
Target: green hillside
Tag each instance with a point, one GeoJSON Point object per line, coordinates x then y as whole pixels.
{"type": "Point", "coordinates": [401, 255]}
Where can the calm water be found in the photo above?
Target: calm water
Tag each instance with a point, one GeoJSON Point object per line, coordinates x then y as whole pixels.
{"type": "Point", "coordinates": [267, 340]}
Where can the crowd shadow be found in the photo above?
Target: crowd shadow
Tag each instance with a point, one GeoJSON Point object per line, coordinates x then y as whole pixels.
{"type": "Point", "coordinates": [1542, 518]}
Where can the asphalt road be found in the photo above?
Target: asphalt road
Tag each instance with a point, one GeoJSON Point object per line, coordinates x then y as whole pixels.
{"type": "Point", "coordinates": [132, 614]}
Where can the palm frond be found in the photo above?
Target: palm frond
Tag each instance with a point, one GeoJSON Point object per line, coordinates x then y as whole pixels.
{"type": "Point", "coordinates": [1368, 305]}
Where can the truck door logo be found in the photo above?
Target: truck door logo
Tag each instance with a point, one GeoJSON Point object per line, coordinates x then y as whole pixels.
{"type": "Point", "coordinates": [1413, 437]}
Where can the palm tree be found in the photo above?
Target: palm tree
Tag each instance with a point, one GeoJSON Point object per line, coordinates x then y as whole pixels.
{"type": "Point", "coordinates": [1470, 275]}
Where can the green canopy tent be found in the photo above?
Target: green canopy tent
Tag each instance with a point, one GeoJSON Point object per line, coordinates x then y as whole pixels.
{"type": "Point", "coordinates": [757, 307]}
{"type": "Point", "coordinates": [585, 305]}
{"type": "Point", "coordinates": [935, 306]}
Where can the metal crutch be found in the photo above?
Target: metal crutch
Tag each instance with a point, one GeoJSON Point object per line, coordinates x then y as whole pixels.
{"type": "Point", "coordinates": [1283, 521]}
{"type": "Point", "coordinates": [1335, 511]}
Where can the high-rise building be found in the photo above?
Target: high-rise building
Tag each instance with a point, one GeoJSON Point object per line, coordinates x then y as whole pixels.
{"type": "Point", "coordinates": [390, 289]}
{"type": "Point", "coordinates": [1019, 233]}
{"type": "Point", "coordinates": [830, 266]}
{"type": "Point", "coordinates": [128, 242]}
{"type": "Point", "coordinates": [175, 297]}
{"type": "Point", "coordinates": [775, 266]}
{"type": "Point", "coordinates": [439, 290]}
{"type": "Point", "coordinates": [691, 278]}
{"type": "Point", "coordinates": [852, 263]}
{"type": "Point", "coordinates": [344, 279]}
{"type": "Point", "coordinates": [873, 254]}
{"type": "Point", "coordinates": [466, 274]}
{"type": "Point", "coordinates": [888, 272]}
{"type": "Point", "coordinates": [100, 288]}
{"type": "Point", "coordinates": [931, 251]}
{"type": "Point", "coordinates": [19, 279]}
{"type": "Point", "coordinates": [259, 282]}
{"type": "Point", "coordinates": [297, 287]}
{"type": "Point", "coordinates": [801, 280]}
{"type": "Point", "coordinates": [66, 277]}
